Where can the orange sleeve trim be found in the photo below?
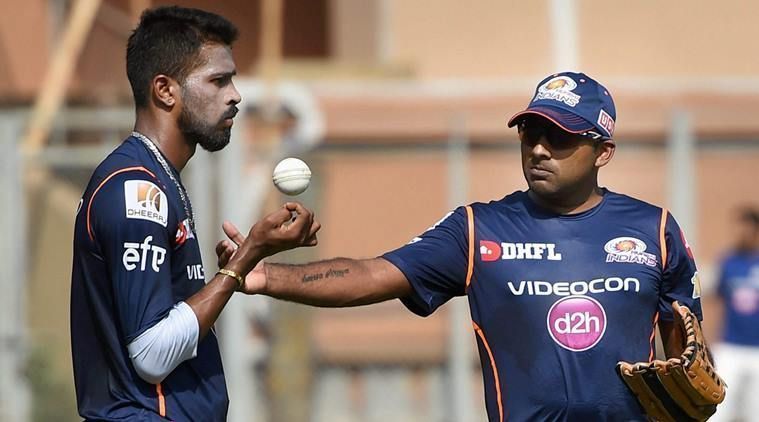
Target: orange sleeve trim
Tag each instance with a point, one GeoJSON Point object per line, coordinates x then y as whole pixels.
{"type": "Point", "coordinates": [470, 226]}
{"type": "Point", "coordinates": [651, 339]}
{"type": "Point", "coordinates": [110, 176]}
{"type": "Point", "coordinates": [662, 239]}
{"type": "Point", "coordinates": [496, 381]}
{"type": "Point", "coordinates": [161, 400]}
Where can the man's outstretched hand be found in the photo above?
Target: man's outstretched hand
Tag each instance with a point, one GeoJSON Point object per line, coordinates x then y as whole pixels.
{"type": "Point", "coordinates": [290, 227]}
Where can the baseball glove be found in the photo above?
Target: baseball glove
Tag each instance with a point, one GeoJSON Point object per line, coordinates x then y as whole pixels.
{"type": "Point", "coordinates": [679, 389]}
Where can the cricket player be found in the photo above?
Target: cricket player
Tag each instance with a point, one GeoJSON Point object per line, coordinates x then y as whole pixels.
{"type": "Point", "coordinates": [564, 279]}
{"type": "Point", "coordinates": [142, 315]}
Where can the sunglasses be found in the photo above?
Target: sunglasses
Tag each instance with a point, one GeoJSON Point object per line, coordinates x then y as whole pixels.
{"type": "Point", "coordinates": [531, 131]}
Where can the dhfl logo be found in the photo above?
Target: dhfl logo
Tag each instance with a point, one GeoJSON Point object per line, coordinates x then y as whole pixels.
{"type": "Point", "coordinates": [606, 122]}
{"type": "Point", "coordinates": [489, 251]}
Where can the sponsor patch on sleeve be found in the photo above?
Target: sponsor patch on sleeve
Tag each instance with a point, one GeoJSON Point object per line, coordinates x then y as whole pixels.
{"type": "Point", "coordinates": [146, 201]}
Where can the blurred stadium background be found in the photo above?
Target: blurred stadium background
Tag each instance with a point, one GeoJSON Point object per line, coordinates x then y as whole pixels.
{"type": "Point", "coordinates": [399, 106]}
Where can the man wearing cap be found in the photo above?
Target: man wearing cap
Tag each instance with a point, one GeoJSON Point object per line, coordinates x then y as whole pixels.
{"type": "Point", "coordinates": [564, 279]}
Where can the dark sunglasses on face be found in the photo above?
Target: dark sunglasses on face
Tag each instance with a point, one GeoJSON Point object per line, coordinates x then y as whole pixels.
{"type": "Point", "coordinates": [530, 133]}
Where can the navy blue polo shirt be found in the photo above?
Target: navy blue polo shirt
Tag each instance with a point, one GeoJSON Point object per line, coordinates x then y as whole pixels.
{"type": "Point", "coordinates": [556, 300]}
{"type": "Point", "coordinates": [135, 256]}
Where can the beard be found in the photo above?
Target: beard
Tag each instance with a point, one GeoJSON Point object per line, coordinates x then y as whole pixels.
{"type": "Point", "coordinates": [209, 136]}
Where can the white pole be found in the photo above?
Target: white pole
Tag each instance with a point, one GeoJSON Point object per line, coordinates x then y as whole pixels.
{"type": "Point", "coordinates": [563, 23]}
{"type": "Point", "coordinates": [14, 391]}
{"type": "Point", "coordinates": [460, 336]}
{"type": "Point", "coordinates": [681, 158]}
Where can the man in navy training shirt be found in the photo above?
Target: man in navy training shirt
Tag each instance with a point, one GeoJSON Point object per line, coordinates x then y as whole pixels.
{"type": "Point", "coordinates": [564, 279]}
{"type": "Point", "coordinates": [737, 354]}
{"type": "Point", "coordinates": [142, 315]}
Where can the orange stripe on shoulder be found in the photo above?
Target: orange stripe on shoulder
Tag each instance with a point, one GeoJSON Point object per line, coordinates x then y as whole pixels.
{"type": "Point", "coordinates": [662, 239]}
{"type": "Point", "coordinates": [470, 262]}
{"type": "Point", "coordinates": [110, 176]}
{"type": "Point", "coordinates": [161, 400]}
{"type": "Point", "coordinates": [496, 381]}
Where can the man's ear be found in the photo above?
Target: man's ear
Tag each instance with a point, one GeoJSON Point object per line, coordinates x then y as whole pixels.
{"type": "Point", "coordinates": [605, 152]}
{"type": "Point", "coordinates": [165, 90]}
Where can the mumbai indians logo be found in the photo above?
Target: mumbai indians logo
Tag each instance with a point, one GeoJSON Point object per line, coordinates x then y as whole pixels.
{"type": "Point", "coordinates": [628, 249]}
{"type": "Point", "coordinates": [576, 323]}
{"type": "Point", "coordinates": [146, 201]}
{"type": "Point", "coordinates": [560, 89]}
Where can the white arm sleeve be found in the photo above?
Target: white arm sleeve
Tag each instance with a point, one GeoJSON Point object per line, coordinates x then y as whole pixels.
{"type": "Point", "coordinates": [162, 347]}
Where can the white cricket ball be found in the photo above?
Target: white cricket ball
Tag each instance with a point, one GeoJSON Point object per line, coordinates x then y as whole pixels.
{"type": "Point", "coordinates": [291, 176]}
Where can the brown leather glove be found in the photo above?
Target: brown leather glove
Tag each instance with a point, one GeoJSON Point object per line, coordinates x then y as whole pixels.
{"type": "Point", "coordinates": [679, 389]}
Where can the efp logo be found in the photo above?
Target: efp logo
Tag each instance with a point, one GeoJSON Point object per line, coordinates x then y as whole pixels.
{"type": "Point", "coordinates": [560, 89]}
{"type": "Point", "coordinates": [576, 323]}
{"type": "Point", "coordinates": [489, 251]}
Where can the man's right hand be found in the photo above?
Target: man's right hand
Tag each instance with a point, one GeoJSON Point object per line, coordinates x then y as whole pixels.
{"type": "Point", "coordinates": [290, 227]}
{"type": "Point", "coordinates": [255, 281]}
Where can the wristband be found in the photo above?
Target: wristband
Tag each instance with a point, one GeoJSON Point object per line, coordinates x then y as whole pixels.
{"type": "Point", "coordinates": [232, 274]}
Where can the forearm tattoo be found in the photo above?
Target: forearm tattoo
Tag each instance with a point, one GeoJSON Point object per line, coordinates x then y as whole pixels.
{"type": "Point", "coordinates": [331, 273]}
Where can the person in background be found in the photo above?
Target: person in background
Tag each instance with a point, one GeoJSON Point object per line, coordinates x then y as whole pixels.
{"type": "Point", "coordinates": [737, 354]}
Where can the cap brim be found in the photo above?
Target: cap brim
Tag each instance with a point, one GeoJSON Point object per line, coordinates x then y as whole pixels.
{"type": "Point", "coordinates": [569, 122]}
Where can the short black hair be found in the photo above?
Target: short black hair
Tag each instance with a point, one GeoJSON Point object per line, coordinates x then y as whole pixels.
{"type": "Point", "coordinates": [168, 41]}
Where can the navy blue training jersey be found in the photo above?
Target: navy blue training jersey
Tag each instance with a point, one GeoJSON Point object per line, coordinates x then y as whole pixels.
{"type": "Point", "coordinates": [739, 288]}
{"type": "Point", "coordinates": [556, 301]}
{"type": "Point", "coordinates": [135, 256]}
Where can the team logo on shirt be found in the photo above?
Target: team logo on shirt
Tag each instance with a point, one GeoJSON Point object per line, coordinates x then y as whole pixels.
{"type": "Point", "coordinates": [138, 254]}
{"type": "Point", "coordinates": [628, 249]}
{"type": "Point", "coordinates": [560, 89]}
{"type": "Point", "coordinates": [146, 201]}
{"type": "Point", "coordinates": [492, 251]}
{"type": "Point", "coordinates": [576, 323]}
